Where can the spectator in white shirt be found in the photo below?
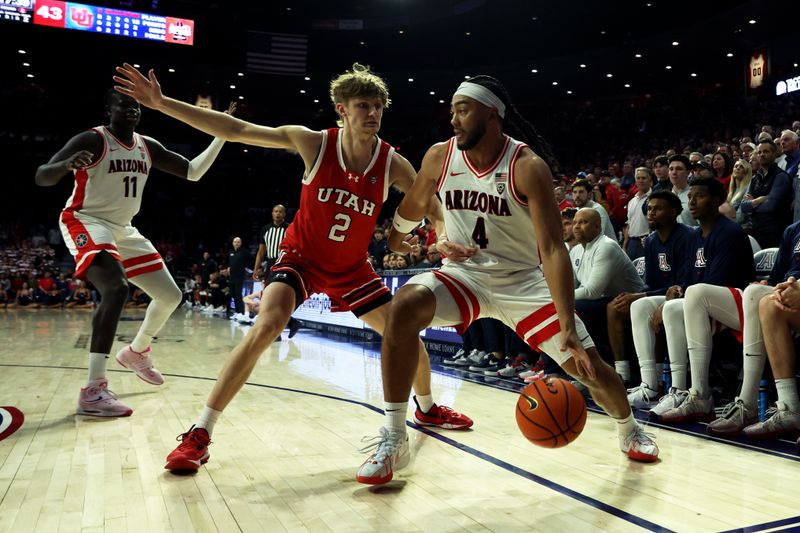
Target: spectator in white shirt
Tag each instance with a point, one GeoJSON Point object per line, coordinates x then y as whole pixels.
{"type": "Point", "coordinates": [636, 227]}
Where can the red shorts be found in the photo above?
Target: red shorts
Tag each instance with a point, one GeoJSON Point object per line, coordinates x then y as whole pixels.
{"type": "Point", "coordinates": [360, 290]}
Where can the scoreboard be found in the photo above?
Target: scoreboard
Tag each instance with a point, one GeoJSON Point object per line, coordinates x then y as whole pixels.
{"type": "Point", "coordinates": [84, 17]}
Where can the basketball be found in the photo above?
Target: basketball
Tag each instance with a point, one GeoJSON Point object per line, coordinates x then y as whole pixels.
{"type": "Point", "coordinates": [551, 412]}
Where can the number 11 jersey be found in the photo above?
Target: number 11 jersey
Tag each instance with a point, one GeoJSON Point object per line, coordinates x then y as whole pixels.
{"type": "Point", "coordinates": [339, 208]}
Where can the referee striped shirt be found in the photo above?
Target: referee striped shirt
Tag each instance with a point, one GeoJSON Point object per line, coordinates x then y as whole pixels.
{"type": "Point", "coordinates": [271, 236]}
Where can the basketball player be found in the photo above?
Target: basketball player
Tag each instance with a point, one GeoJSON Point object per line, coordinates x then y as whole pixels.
{"type": "Point", "coordinates": [348, 174]}
{"type": "Point", "coordinates": [500, 218]}
{"type": "Point", "coordinates": [111, 165]}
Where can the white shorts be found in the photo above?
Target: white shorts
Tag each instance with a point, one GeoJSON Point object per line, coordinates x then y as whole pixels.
{"type": "Point", "coordinates": [86, 236]}
{"type": "Point", "coordinates": [521, 300]}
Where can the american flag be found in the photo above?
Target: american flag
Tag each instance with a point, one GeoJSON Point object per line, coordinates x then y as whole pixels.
{"type": "Point", "coordinates": [276, 53]}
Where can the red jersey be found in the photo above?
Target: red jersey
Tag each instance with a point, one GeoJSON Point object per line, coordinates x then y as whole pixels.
{"type": "Point", "coordinates": [338, 207]}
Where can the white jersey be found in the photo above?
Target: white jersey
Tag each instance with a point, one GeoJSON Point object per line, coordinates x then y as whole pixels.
{"type": "Point", "coordinates": [111, 188]}
{"type": "Point", "coordinates": [483, 208]}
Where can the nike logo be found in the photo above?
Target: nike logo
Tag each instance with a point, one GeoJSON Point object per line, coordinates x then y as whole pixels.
{"type": "Point", "coordinates": [112, 149]}
{"type": "Point", "coordinates": [456, 173]}
{"type": "Point", "coordinates": [99, 398]}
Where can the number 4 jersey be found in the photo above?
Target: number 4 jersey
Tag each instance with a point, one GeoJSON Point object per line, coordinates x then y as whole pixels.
{"type": "Point", "coordinates": [339, 207]}
{"type": "Point", "coordinates": [483, 208]}
{"type": "Point", "coordinates": [111, 187]}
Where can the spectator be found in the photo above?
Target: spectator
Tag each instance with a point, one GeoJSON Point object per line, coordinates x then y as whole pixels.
{"type": "Point", "coordinates": [694, 157]}
{"type": "Point", "coordinates": [581, 190]}
{"type": "Point", "coordinates": [238, 259]}
{"type": "Point", "coordinates": [561, 197]}
{"type": "Point", "coordinates": [661, 171]}
{"type": "Point", "coordinates": [378, 247]}
{"type": "Point", "coordinates": [769, 198]}
{"type": "Point", "coordinates": [740, 181]}
{"type": "Point", "coordinates": [702, 169]}
{"type": "Point", "coordinates": [747, 149]}
{"type": "Point", "coordinates": [81, 297]}
{"type": "Point", "coordinates": [207, 266]}
{"type": "Point", "coordinates": [722, 164]}
{"type": "Point", "coordinates": [679, 177]}
{"type": "Point", "coordinates": [636, 227]}
{"type": "Point", "coordinates": [567, 218]}
{"type": "Point", "coordinates": [628, 175]}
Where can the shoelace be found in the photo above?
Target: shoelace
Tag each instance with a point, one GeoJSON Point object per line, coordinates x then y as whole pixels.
{"type": "Point", "coordinates": [183, 437]}
{"type": "Point", "coordinates": [730, 410]}
{"type": "Point", "coordinates": [142, 362]}
{"type": "Point", "coordinates": [641, 435]}
{"type": "Point", "coordinates": [383, 445]}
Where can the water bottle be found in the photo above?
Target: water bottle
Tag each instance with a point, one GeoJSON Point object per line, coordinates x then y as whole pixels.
{"type": "Point", "coordinates": [762, 400]}
{"type": "Point", "coordinates": [666, 377]}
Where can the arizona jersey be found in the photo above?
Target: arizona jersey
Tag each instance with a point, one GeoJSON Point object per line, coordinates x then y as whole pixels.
{"type": "Point", "coordinates": [483, 208]}
{"type": "Point", "coordinates": [111, 187]}
{"type": "Point", "coordinates": [339, 207]}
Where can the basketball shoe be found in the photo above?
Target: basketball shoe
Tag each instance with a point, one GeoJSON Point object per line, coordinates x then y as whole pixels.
{"type": "Point", "coordinates": [442, 417]}
{"type": "Point", "coordinates": [450, 361]}
{"type": "Point", "coordinates": [192, 452]}
{"type": "Point", "coordinates": [97, 400]}
{"type": "Point", "coordinates": [692, 409]}
{"type": "Point", "coordinates": [671, 400]}
{"type": "Point", "coordinates": [514, 368]}
{"type": "Point", "coordinates": [734, 418]}
{"type": "Point", "coordinates": [639, 445]}
{"type": "Point", "coordinates": [391, 453]}
{"type": "Point", "coordinates": [141, 364]}
{"type": "Point", "coordinates": [780, 422]}
{"type": "Point", "coordinates": [642, 397]}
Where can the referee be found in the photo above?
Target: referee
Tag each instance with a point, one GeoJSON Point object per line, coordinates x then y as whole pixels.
{"type": "Point", "coordinates": [268, 249]}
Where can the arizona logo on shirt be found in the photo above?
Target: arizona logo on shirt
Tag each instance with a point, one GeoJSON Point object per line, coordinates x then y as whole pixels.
{"type": "Point", "coordinates": [700, 258]}
{"type": "Point", "coordinates": [797, 246]}
{"type": "Point", "coordinates": [662, 263]}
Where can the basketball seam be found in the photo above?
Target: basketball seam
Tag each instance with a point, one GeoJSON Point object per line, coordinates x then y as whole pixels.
{"type": "Point", "coordinates": [550, 412]}
{"type": "Point", "coordinates": [554, 436]}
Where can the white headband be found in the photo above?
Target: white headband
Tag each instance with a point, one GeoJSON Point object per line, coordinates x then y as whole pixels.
{"type": "Point", "coordinates": [482, 95]}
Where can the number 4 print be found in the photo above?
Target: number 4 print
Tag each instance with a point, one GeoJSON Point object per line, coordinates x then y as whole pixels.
{"type": "Point", "coordinates": [479, 233]}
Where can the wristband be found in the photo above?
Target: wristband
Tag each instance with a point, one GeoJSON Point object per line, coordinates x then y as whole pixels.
{"type": "Point", "coordinates": [403, 225]}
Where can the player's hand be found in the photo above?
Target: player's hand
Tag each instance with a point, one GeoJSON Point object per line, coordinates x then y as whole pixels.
{"type": "Point", "coordinates": [787, 295]}
{"type": "Point", "coordinates": [256, 274]}
{"type": "Point", "coordinates": [79, 160]}
{"type": "Point", "coordinates": [571, 344]}
{"type": "Point", "coordinates": [657, 319]}
{"type": "Point", "coordinates": [674, 292]}
{"type": "Point", "coordinates": [146, 91]}
{"type": "Point", "coordinates": [231, 109]}
{"type": "Point", "coordinates": [454, 251]}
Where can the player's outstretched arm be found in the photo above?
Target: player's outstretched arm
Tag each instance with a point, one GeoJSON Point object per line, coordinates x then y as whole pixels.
{"type": "Point", "coordinates": [534, 180]}
{"type": "Point", "coordinates": [79, 152]}
{"type": "Point", "coordinates": [147, 91]}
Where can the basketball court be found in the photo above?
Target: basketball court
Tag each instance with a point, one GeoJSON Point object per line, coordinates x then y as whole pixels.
{"type": "Point", "coordinates": [286, 450]}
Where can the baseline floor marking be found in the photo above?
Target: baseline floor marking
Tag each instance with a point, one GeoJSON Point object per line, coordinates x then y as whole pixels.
{"type": "Point", "coordinates": [588, 500]}
{"type": "Point", "coordinates": [794, 521]}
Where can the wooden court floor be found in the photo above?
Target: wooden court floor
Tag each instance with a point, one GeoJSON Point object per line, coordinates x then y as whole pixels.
{"type": "Point", "coordinates": [285, 452]}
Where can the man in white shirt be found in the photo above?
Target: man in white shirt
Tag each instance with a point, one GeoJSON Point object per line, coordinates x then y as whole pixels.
{"type": "Point", "coordinates": [636, 227]}
{"type": "Point", "coordinates": [582, 196]}
{"type": "Point", "coordinates": [679, 176]}
{"type": "Point", "coordinates": [604, 271]}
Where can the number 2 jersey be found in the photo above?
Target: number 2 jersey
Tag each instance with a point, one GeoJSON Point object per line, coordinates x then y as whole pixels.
{"type": "Point", "coordinates": [111, 188]}
{"type": "Point", "coordinates": [483, 209]}
{"type": "Point", "coordinates": [338, 207]}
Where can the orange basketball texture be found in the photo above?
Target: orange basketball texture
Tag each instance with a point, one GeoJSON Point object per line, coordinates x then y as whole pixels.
{"type": "Point", "coordinates": [551, 412]}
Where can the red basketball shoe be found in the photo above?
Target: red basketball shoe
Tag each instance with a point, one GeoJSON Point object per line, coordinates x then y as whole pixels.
{"type": "Point", "coordinates": [442, 417]}
{"type": "Point", "coordinates": [192, 452]}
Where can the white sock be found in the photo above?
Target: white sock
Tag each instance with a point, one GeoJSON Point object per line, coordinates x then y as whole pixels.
{"type": "Point", "coordinates": [678, 371]}
{"type": "Point", "coordinates": [425, 402]}
{"type": "Point", "coordinates": [208, 417]}
{"type": "Point", "coordinates": [625, 425]}
{"type": "Point", "coordinates": [97, 366]}
{"type": "Point", "coordinates": [141, 342]}
{"type": "Point", "coordinates": [787, 393]}
{"type": "Point", "coordinates": [396, 416]}
{"type": "Point", "coordinates": [700, 360]}
{"type": "Point", "coordinates": [751, 376]}
{"type": "Point", "coordinates": [623, 368]}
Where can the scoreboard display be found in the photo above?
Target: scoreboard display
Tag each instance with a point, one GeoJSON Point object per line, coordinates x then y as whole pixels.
{"type": "Point", "coordinates": [84, 17]}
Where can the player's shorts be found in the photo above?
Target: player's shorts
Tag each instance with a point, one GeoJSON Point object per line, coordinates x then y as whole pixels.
{"type": "Point", "coordinates": [521, 300]}
{"type": "Point", "coordinates": [86, 236]}
{"type": "Point", "coordinates": [360, 290]}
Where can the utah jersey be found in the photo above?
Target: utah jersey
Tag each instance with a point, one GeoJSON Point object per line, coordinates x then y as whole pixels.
{"type": "Point", "coordinates": [339, 207]}
{"type": "Point", "coordinates": [482, 208]}
{"type": "Point", "coordinates": [111, 188]}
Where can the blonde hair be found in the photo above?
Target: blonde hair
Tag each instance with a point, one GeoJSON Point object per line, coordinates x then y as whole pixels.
{"type": "Point", "coordinates": [735, 192]}
{"type": "Point", "coordinates": [359, 82]}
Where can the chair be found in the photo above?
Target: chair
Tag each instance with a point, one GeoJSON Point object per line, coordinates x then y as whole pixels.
{"type": "Point", "coordinates": [764, 260]}
{"type": "Point", "coordinates": [754, 244]}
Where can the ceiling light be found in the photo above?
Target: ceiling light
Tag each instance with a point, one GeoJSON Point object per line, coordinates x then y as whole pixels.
{"type": "Point", "coordinates": [240, 74]}
{"type": "Point", "coordinates": [534, 70]}
{"type": "Point", "coordinates": [602, 32]}
{"type": "Point", "coordinates": [466, 77]}
{"type": "Point", "coordinates": [233, 86]}
{"type": "Point", "coordinates": [401, 32]}
{"type": "Point", "coordinates": [136, 65]}
{"type": "Point", "coordinates": [241, 97]}
{"type": "Point", "coordinates": [22, 51]}
{"type": "Point", "coordinates": [432, 92]}
{"type": "Point", "coordinates": [669, 67]}
{"type": "Point", "coordinates": [729, 54]}
{"type": "Point", "coordinates": [30, 75]}
{"type": "Point", "coordinates": [287, 9]}
{"type": "Point", "coordinates": [171, 70]}
{"type": "Point", "coordinates": [361, 42]}
{"type": "Point", "coordinates": [441, 101]}
{"type": "Point", "coordinates": [609, 75]}
{"type": "Point", "coordinates": [245, 150]}
{"type": "Point", "coordinates": [410, 79]}
{"type": "Point", "coordinates": [795, 65]}
{"type": "Point", "coordinates": [316, 101]}
{"type": "Point", "coordinates": [302, 91]}
{"type": "Point", "coordinates": [649, 5]}
{"type": "Point", "coordinates": [752, 21]}
{"type": "Point", "coordinates": [569, 92]}
{"type": "Point", "coordinates": [693, 74]}
{"type": "Point", "coordinates": [555, 83]}
{"type": "Point", "coordinates": [28, 64]}
{"type": "Point", "coordinates": [638, 56]}
{"type": "Point", "coordinates": [675, 43]}
{"type": "Point", "coordinates": [307, 78]}
{"type": "Point", "coordinates": [627, 85]}
{"type": "Point", "coordinates": [582, 65]}
{"type": "Point", "coordinates": [534, 18]}
{"type": "Point", "coordinates": [467, 33]}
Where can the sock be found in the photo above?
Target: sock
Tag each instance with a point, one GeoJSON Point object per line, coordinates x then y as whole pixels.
{"type": "Point", "coordinates": [625, 425]}
{"type": "Point", "coordinates": [208, 417]}
{"type": "Point", "coordinates": [649, 374]}
{"type": "Point", "coordinates": [678, 371]}
{"type": "Point", "coordinates": [699, 360]}
{"type": "Point", "coordinates": [424, 401]}
{"type": "Point", "coordinates": [751, 375]}
{"type": "Point", "coordinates": [97, 366]}
{"type": "Point", "coordinates": [787, 393]}
{"type": "Point", "coordinates": [396, 416]}
{"type": "Point", "coordinates": [141, 342]}
{"type": "Point", "coordinates": [623, 368]}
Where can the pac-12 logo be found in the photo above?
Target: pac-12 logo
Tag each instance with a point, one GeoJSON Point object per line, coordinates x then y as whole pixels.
{"type": "Point", "coordinates": [81, 240]}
